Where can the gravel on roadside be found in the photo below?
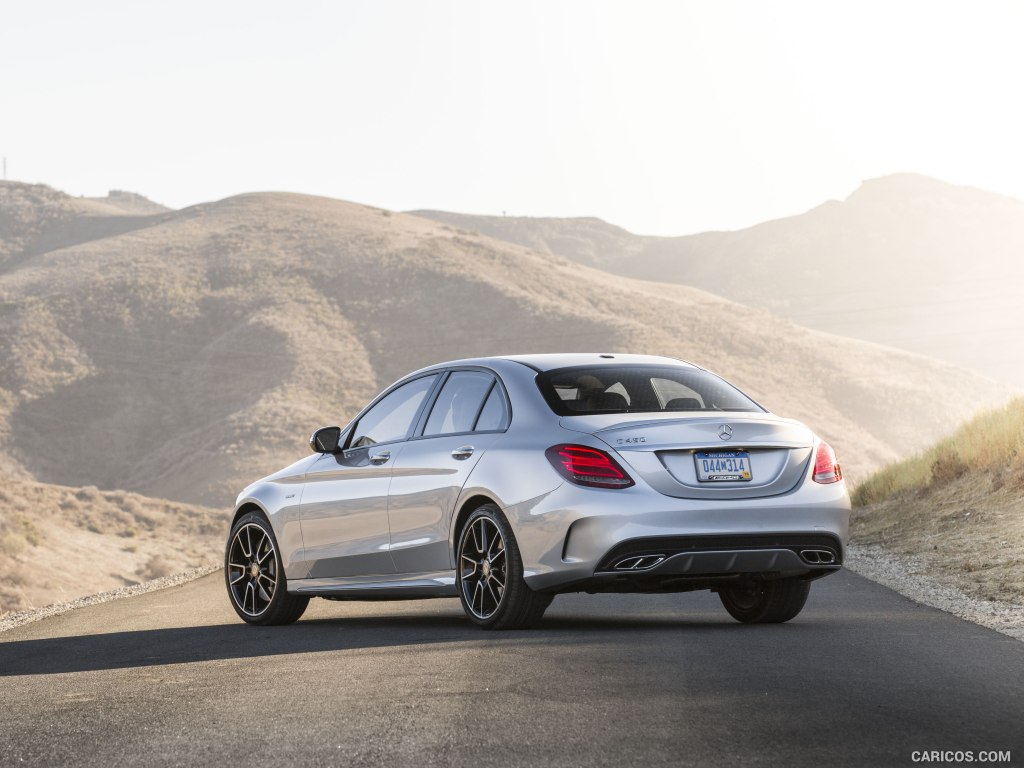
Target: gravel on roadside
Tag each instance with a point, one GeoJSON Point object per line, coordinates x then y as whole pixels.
{"type": "Point", "coordinates": [907, 575]}
{"type": "Point", "coordinates": [19, 618]}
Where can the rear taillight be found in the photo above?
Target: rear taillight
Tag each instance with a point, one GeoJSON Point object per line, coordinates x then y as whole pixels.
{"type": "Point", "coordinates": [587, 466]}
{"type": "Point", "coordinates": [826, 465]}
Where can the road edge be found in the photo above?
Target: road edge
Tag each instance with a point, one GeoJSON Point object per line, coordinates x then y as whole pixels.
{"type": "Point", "coordinates": [14, 619]}
{"type": "Point", "coordinates": [905, 576]}
{"type": "Point", "coordinates": [896, 572]}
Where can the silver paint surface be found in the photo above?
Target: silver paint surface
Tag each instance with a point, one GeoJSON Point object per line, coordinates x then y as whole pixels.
{"type": "Point", "coordinates": [348, 528]}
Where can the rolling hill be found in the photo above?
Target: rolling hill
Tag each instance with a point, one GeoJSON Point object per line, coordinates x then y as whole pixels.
{"type": "Point", "coordinates": [35, 219]}
{"type": "Point", "coordinates": [59, 543]}
{"type": "Point", "coordinates": [183, 354]}
{"type": "Point", "coordinates": [905, 261]}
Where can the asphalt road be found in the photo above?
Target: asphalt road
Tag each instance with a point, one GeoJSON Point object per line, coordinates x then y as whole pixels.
{"type": "Point", "coordinates": [862, 677]}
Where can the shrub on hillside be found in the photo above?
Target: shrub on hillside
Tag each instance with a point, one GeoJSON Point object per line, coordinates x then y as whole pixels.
{"type": "Point", "coordinates": [990, 442]}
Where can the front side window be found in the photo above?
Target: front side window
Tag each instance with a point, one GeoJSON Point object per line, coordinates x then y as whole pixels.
{"type": "Point", "coordinates": [639, 389]}
{"type": "Point", "coordinates": [458, 404]}
{"type": "Point", "coordinates": [391, 418]}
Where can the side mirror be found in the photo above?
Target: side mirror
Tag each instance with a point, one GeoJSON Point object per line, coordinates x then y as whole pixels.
{"type": "Point", "coordinates": [325, 440]}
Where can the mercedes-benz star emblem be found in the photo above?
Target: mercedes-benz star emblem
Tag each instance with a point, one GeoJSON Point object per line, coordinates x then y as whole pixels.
{"type": "Point", "coordinates": [725, 431]}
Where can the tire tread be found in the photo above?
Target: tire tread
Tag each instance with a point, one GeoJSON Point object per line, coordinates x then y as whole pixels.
{"type": "Point", "coordinates": [780, 601]}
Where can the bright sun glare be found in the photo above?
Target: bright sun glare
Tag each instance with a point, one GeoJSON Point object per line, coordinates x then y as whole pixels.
{"type": "Point", "coordinates": [662, 117]}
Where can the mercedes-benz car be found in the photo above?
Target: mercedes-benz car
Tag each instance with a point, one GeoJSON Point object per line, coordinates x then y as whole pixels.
{"type": "Point", "coordinates": [505, 481]}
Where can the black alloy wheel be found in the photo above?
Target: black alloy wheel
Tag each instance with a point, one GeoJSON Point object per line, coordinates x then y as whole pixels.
{"type": "Point", "coordinates": [490, 574]}
{"type": "Point", "coordinates": [255, 576]}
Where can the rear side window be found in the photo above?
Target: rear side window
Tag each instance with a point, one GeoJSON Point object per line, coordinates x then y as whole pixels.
{"type": "Point", "coordinates": [639, 389]}
{"type": "Point", "coordinates": [391, 418]}
{"type": "Point", "coordinates": [459, 402]}
{"type": "Point", "coordinates": [494, 416]}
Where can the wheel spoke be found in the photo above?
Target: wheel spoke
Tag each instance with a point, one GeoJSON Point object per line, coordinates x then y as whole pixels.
{"type": "Point", "coordinates": [479, 589]}
{"type": "Point", "coordinates": [494, 597]}
{"type": "Point", "coordinates": [483, 536]}
{"type": "Point", "coordinates": [245, 600]}
{"type": "Point", "coordinates": [262, 593]}
{"type": "Point", "coordinates": [238, 578]}
{"type": "Point", "coordinates": [495, 542]}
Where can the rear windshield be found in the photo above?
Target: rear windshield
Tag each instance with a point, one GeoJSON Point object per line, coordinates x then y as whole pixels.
{"type": "Point", "coordinates": [639, 389]}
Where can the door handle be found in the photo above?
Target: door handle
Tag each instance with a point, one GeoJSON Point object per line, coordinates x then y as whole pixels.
{"type": "Point", "coordinates": [463, 453]}
{"type": "Point", "coordinates": [380, 458]}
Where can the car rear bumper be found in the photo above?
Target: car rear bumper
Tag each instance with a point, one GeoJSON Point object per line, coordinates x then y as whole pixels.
{"type": "Point", "coordinates": [579, 538]}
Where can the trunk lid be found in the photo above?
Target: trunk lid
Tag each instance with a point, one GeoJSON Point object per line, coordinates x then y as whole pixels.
{"type": "Point", "coordinates": [663, 450]}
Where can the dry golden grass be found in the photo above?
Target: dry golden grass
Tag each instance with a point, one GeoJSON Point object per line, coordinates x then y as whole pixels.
{"type": "Point", "coordinates": [992, 443]}
{"type": "Point", "coordinates": [958, 506]}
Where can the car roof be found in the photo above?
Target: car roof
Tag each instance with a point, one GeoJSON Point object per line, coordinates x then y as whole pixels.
{"type": "Point", "coordinates": [550, 361]}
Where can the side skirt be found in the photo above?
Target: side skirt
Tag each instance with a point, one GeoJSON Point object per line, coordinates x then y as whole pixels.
{"type": "Point", "coordinates": [409, 586]}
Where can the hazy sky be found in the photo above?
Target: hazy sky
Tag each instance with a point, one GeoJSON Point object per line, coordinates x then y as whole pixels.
{"type": "Point", "coordinates": [665, 118]}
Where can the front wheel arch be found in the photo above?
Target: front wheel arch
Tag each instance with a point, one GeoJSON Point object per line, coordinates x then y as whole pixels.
{"type": "Point", "coordinates": [244, 509]}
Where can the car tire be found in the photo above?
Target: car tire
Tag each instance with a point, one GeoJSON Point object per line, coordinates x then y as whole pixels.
{"type": "Point", "coordinates": [489, 574]}
{"type": "Point", "coordinates": [254, 574]}
{"type": "Point", "coordinates": [766, 602]}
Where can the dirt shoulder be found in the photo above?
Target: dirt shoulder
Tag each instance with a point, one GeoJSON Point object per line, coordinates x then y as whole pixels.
{"type": "Point", "coordinates": [966, 534]}
{"type": "Point", "coordinates": [955, 544]}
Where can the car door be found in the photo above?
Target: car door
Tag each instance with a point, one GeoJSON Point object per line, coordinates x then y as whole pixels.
{"type": "Point", "coordinates": [468, 415]}
{"type": "Point", "coordinates": [344, 513]}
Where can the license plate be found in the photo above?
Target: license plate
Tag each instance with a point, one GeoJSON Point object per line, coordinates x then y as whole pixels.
{"type": "Point", "coordinates": [722, 466]}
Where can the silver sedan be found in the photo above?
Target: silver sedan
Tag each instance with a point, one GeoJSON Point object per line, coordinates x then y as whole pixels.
{"type": "Point", "coordinates": [508, 480]}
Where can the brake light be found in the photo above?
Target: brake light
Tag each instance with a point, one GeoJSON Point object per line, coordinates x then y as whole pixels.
{"type": "Point", "coordinates": [587, 466]}
{"type": "Point", "coordinates": [826, 465]}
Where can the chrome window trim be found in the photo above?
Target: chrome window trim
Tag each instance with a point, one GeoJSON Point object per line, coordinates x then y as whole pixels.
{"type": "Point", "coordinates": [422, 423]}
{"type": "Point", "coordinates": [429, 398]}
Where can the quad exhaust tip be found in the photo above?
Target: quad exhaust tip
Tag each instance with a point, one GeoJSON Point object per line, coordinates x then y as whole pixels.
{"type": "Point", "coordinates": [639, 563]}
{"type": "Point", "coordinates": [818, 556]}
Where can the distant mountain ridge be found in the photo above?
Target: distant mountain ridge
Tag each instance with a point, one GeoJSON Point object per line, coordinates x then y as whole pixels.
{"type": "Point", "coordinates": [35, 218]}
{"type": "Point", "coordinates": [184, 354]}
{"type": "Point", "coordinates": [589, 241]}
{"type": "Point", "coordinates": [905, 260]}
{"type": "Point", "coordinates": [130, 202]}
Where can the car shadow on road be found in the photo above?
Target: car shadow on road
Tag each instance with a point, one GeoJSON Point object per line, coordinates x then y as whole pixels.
{"type": "Point", "coordinates": [184, 645]}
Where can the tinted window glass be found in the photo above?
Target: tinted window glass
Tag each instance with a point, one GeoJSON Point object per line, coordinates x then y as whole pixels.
{"type": "Point", "coordinates": [391, 418]}
{"type": "Point", "coordinates": [639, 389]}
{"type": "Point", "coordinates": [458, 403]}
{"type": "Point", "coordinates": [493, 416]}
{"type": "Point", "coordinates": [686, 399]}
